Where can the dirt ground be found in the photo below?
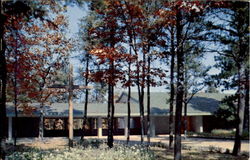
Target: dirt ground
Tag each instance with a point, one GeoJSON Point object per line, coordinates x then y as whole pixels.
{"type": "Point", "coordinates": [193, 154]}
{"type": "Point", "coordinates": [196, 142]}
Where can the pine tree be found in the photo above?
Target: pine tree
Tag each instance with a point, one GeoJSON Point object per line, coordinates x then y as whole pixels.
{"type": "Point", "coordinates": [233, 36]}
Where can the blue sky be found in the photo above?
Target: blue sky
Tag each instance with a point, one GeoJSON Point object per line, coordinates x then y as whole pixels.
{"type": "Point", "coordinates": [75, 14]}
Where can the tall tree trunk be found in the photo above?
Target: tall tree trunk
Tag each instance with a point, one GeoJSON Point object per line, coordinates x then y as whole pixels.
{"type": "Point", "coordinates": [246, 117]}
{"type": "Point", "coordinates": [172, 91]}
{"type": "Point", "coordinates": [240, 110]}
{"type": "Point", "coordinates": [15, 100]}
{"type": "Point", "coordinates": [110, 144]}
{"type": "Point", "coordinates": [185, 116]}
{"type": "Point", "coordinates": [41, 116]}
{"type": "Point", "coordinates": [86, 98]}
{"type": "Point", "coordinates": [180, 87]}
{"type": "Point", "coordinates": [111, 111]}
{"type": "Point", "coordinates": [3, 82]}
{"type": "Point", "coordinates": [148, 101]}
{"type": "Point", "coordinates": [140, 100]}
{"type": "Point", "coordinates": [141, 107]}
{"type": "Point", "coordinates": [112, 115]}
{"type": "Point", "coordinates": [41, 119]}
{"type": "Point", "coordinates": [15, 88]}
{"type": "Point", "coordinates": [185, 100]}
{"type": "Point", "coordinates": [129, 96]}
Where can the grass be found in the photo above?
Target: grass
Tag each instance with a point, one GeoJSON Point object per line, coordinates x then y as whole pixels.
{"type": "Point", "coordinates": [87, 150]}
{"type": "Point", "coordinates": [93, 149]}
{"type": "Point", "coordinates": [166, 154]}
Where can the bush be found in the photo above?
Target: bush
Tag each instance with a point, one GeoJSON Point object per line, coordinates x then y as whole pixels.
{"type": "Point", "coordinates": [95, 143]}
{"type": "Point", "coordinates": [219, 133]}
{"type": "Point", "coordinates": [223, 132]}
{"type": "Point", "coordinates": [118, 152]}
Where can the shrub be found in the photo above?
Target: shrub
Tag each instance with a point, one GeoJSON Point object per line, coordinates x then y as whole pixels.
{"type": "Point", "coordinates": [219, 133]}
{"type": "Point", "coordinates": [223, 132]}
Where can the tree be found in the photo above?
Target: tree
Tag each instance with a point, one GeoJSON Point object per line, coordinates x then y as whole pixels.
{"type": "Point", "coordinates": [184, 13]}
{"type": "Point", "coordinates": [51, 49]}
{"type": "Point", "coordinates": [19, 63]}
{"type": "Point", "coordinates": [110, 54]}
{"type": "Point", "coordinates": [42, 47]}
{"type": "Point", "coordinates": [140, 22]}
{"type": "Point", "coordinates": [88, 43]}
{"type": "Point", "coordinates": [195, 77]}
{"type": "Point", "coordinates": [233, 55]}
{"type": "Point", "coordinates": [6, 10]}
{"type": "Point", "coordinates": [227, 111]}
{"type": "Point", "coordinates": [168, 18]}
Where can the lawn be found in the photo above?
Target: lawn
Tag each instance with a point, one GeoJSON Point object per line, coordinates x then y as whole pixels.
{"type": "Point", "coordinates": [98, 150]}
{"type": "Point", "coordinates": [191, 154]}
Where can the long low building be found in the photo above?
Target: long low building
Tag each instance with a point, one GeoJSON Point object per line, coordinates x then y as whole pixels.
{"type": "Point", "coordinates": [200, 116]}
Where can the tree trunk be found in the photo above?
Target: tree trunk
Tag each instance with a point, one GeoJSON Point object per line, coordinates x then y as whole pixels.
{"type": "Point", "coordinates": [15, 90]}
{"type": "Point", "coordinates": [148, 101]}
{"type": "Point", "coordinates": [86, 99]}
{"type": "Point", "coordinates": [172, 91]}
{"type": "Point", "coordinates": [180, 87]}
{"type": "Point", "coordinates": [240, 111]}
{"type": "Point", "coordinates": [129, 114]}
{"type": "Point", "coordinates": [41, 118]}
{"type": "Point", "coordinates": [140, 102]}
{"type": "Point", "coordinates": [185, 118]}
{"type": "Point", "coordinates": [129, 96]}
{"type": "Point", "coordinates": [111, 111]}
{"type": "Point", "coordinates": [185, 100]}
{"type": "Point", "coordinates": [112, 115]}
{"type": "Point", "coordinates": [141, 107]}
{"type": "Point", "coordinates": [246, 117]}
{"type": "Point", "coordinates": [110, 144]}
{"type": "Point", "coordinates": [3, 81]}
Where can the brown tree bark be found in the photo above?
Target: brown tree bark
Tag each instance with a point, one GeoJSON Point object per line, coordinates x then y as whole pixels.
{"type": "Point", "coordinates": [172, 91]}
{"type": "Point", "coordinates": [3, 81]}
{"type": "Point", "coordinates": [180, 87]}
{"type": "Point", "coordinates": [111, 112]}
{"type": "Point", "coordinates": [185, 101]}
{"type": "Point", "coordinates": [15, 85]}
{"type": "Point", "coordinates": [240, 110]}
{"type": "Point", "coordinates": [148, 101]}
{"type": "Point", "coordinates": [246, 117]}
{"type": "Point", "coordinates": [129, 96]}
{"type": "Point", "coordinates": [85, 118]}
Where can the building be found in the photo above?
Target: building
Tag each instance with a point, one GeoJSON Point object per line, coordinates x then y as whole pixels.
{"type": "Point", "coordinates": [200, 116]}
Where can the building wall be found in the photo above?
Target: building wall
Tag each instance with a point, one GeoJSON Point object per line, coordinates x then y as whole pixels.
{"type": "Point", "coordinates": [197, 123]}
{"type": "Point", "coordinates": [26, 126]}
{"type": "Point", "coordinates": [211, 122]}
{"type": "Point", "coordinates": [161, 124]}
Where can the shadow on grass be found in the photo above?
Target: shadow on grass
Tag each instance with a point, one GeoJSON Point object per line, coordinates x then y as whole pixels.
{"type": "Point", "coordinates": [162, 153]}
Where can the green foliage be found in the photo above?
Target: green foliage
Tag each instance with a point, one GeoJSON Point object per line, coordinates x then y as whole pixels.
{"type": "Point", "coordinates": [218, 133]}
{"type": "Point", "coordinates": [222, 131]}
{"type": "Point", "coordinates": [227, 111]}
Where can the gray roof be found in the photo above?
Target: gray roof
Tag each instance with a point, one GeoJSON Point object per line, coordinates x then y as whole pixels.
{"type": "Point", "coordinates": [201, 104]}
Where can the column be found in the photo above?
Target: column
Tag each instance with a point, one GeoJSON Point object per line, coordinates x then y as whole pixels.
{"type": "Point", "coordinates": [152, 126]}
{"type": "Point", "coordinates": [99, 130]}
{"type": "Point", "coordinates": [125, 126]}
{"type": "Point", "coordinates": [9, 128]}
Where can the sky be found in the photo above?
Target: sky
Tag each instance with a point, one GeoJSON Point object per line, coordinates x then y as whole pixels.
{"type": "Point", "coordinates": [75, 13]}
